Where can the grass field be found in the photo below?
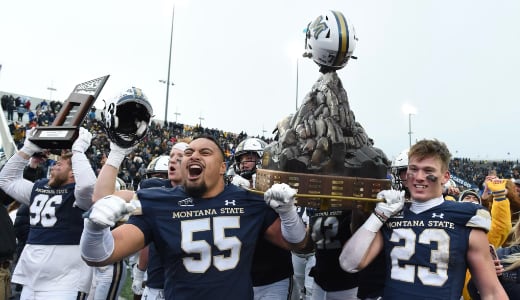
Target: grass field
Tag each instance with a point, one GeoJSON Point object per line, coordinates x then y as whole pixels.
{"type": "Point", "coordinates": [126, 293]}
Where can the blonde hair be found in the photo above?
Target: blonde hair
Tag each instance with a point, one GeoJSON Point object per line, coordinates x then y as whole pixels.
{"type": "Point", "coordinates": [513, 259]}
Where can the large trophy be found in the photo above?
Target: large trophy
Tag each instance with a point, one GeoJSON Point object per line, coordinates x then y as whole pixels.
{"type": "Point", "coordinates": [62, 133]}
{"type": "Point", "coordinates": [321, 150]}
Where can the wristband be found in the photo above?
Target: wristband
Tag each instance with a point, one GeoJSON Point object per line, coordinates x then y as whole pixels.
{"type": "Point", "coordinates": [380, 216]}
{"type": "Point", "coordinates": [373, 223]}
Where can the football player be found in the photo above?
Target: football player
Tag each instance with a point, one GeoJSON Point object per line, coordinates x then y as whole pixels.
{"type": "Point", "coordinates": [429, 244]}
{"type": "Point", "coordinates": [272, 266]}
{"type": "Point", "coordinates": [50, 266]}
{"type": "Point", "coordinates": [149, 260]}
{"type": "Point", "coordinates": [204, 231]}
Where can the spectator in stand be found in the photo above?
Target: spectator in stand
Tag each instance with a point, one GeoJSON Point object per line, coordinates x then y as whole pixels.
{"type": "Point", "coordinates": [11, 107]}
{"type": "Point", "coordinates": [20, 110]}
{"type": "Point", "coordinates": [500, 215]}
{"type": "Point", "coordinates": [515, 172]}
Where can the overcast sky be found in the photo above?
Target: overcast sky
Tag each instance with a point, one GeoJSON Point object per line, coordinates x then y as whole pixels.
{"type": "Point", "coordinates": [234, 63]}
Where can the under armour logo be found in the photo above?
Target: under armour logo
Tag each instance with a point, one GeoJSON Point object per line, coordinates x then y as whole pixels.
{"type": "Point", "coordinates": [440, 216]}
{"type": "Point", "coordinates": [230, 202]}
{"type": "Point", "coordinates": [186, 202]}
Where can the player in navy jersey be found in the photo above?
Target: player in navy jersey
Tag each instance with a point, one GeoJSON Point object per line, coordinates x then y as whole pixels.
{"type": "Point", "coordinates": [50, 266]}
{"type": "Point", "coordinates": [272, 266]}
{"type": "Point", "coordinates": [149, 260]}
{"type": "Point", "coordinates": [428, 244]}
{"type": "Point", "coordinates": [329, 231]}
{"type": "Point", "coordinates": [204, 231]}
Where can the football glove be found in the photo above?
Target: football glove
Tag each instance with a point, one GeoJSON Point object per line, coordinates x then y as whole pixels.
{"type": "Point", "coordinates": [394, 202]}
{"type": "Point", "coordinates": [82, 143]}
{"type": "Point", "coordinates": [137, 282]}
{"type": "Point", "coordinates": [108, 210]}
{"type": "Point", "coordinates": [280, 197]}
{"type": "Point", "coordinates": [240, 181]}
{"type": "Point", "coordinates": [29, 147]}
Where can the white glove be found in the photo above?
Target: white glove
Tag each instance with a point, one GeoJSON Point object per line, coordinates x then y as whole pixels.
{"type": "Point", "coordinates": [82, 143]}
{"type": "Point", "coordinates": [240, 181]}
{"type": "Point", "coordinates": [108, 210]}
{"type": "Point", "coordinates": [280, 197]}
{"type": "Point", "coordinates": [137, 282]}
{"type": "Point", "coordinates": [29, 147]}
{"type": "Point", "coordinates": [394, 202]}
{"type": "Point", "coordinates": [117, 155]}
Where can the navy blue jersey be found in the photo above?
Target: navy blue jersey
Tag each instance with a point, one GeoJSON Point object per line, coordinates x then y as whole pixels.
{"type": "Point", "coordinates": [155, 269]}
{"type": "Point", "coordinates": [329, 231]}
{"type": "Point", "coordinates": [426, 252]}
{"type": "Point", "coordinates": [54, 220]}
{"type": "Point", "coordinates": [154, 182]}
{"type": "Point", "coordinates": [270, 263]}
{"type": "Point", "coordinates": [206, 245]}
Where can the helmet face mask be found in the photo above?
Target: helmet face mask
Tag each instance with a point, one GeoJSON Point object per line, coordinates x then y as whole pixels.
{"type": "Point", "coordinates": [399, 165]}
{"type": "Point", "coordinates": [252, 146]}
{"type": "Point", "coordinates": [330, 40]}
{"type": "Point", "coordinates": [127, 118]}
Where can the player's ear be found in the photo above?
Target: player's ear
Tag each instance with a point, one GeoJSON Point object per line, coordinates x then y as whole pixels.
{"type": "Point", "coordinates": [445, 177]}
{"type": "Point", "coordinates": [222, 168]}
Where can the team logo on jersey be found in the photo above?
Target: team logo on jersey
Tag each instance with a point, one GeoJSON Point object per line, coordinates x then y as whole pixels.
{"type": "Point", "coordinates": [186, 202]}
{"type": "Point", "coordinates": [230, 202]}
{"type": "Point", "coordinates": [440, 216]}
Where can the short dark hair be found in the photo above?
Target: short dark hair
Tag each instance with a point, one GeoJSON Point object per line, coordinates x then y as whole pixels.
{"type": "Point", "coordinates": [214, 140]}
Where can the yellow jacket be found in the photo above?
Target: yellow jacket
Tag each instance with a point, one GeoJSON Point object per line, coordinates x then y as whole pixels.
{"type": "Point", "coordinates": [498, 233]}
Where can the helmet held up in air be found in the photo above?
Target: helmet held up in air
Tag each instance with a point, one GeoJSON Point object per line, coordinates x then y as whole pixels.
{"type": "Point", "coordinates": [127, 117]}
{"type": "Point", "coordinates": [330, 40]}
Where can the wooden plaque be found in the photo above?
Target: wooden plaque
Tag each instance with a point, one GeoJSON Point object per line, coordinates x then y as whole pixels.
{"type": "Point", "coordinates": [65, 128]}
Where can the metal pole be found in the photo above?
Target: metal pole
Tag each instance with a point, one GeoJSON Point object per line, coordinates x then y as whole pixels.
{"type": "Point", "coordinates": [297, 84]}
{"type": "Point", "coordinates": [410, 129]}
{"type": "Point", "coordinates": [169, 68]}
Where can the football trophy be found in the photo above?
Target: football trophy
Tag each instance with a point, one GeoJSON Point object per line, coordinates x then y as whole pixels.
{"type": "Point", "coordinates": [64, 130]}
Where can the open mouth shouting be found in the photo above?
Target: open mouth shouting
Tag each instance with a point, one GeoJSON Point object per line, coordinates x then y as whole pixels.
{"type": "Point", "coordinates": [194, 171]}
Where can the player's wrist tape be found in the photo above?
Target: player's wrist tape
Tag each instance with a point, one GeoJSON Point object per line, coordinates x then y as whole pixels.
{"type": "Point", "coordinates": [115, 158]}
{"type": "Point", "coordinates": [96, 244]}
{"type": "Point", "coordinates": [293, 229]}
{"type": "Point", "coordinates": [373, 223]}
{"type": "Point", "coordinates": [380, 216]}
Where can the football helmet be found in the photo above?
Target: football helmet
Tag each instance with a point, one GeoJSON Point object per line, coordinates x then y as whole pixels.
{"type": "Point", "coordinates": [127, 117]}
{"type": "Point", "coordinates": [249, 145]}
{"type": "Point", "coordinates": [158, 167]}
{"type": "Point", "coordinates": [330, 40]}
{"type": "Point", "coordinates": [399, 164]}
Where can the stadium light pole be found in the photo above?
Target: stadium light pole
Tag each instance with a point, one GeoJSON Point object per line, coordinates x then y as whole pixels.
{"type": "Point", "coordinates": [169, 70]}
{"type": "Point", "coordinates": [51, 89]}
{"type": "Point", "coordinates": [294, 51]}
{"type": "Point", "coordinates": [409, 110]}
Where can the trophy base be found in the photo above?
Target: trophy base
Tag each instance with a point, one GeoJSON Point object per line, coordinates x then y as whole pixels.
{"type": "Point", "coordinates": [55, 137]}
{"type": "Point", "coordinates": [325, 185]}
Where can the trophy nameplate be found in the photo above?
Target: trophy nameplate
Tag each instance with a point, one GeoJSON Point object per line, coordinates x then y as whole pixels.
{"type": "Point", "coordinates": [64, 130]}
